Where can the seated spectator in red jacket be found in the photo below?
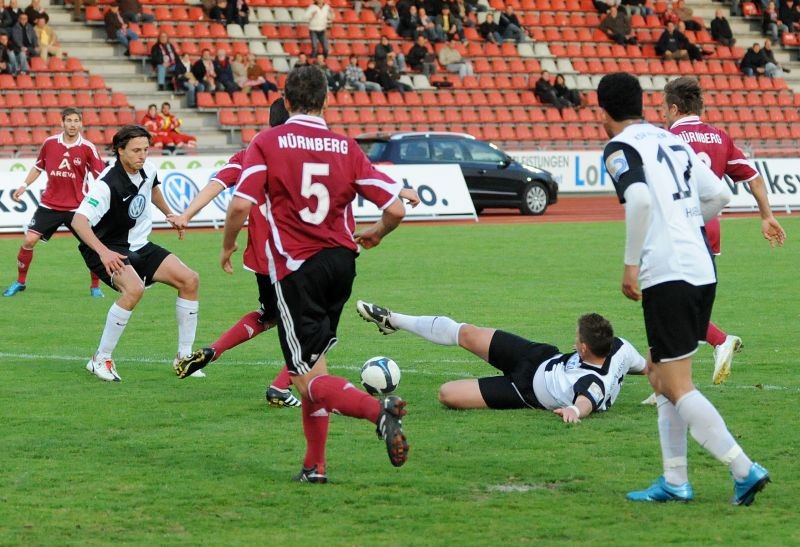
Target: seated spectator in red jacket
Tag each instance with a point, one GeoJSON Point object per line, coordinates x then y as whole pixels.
{"type": "Point", "coordinates": [154, 123]}
{"type": "Point", "coordinates": [172, 125]}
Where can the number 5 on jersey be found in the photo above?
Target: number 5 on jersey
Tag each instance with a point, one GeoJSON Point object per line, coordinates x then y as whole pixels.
{"type": "Point", "coordinates": [310, 188]}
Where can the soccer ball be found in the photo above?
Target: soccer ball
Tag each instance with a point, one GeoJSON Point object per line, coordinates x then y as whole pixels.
{"type": "Point", "coordinates": [380, 375]}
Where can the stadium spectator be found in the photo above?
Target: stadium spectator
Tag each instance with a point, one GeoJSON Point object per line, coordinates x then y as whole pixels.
{"type": "Point", "coordinates": [257, 74]}
{"type": "Point", "coordinates": [204, 72]}
{"type": "Point", "coordinates": [354, 77]}
{"type": "Point", "coordinates": [685, 14]}
{"type": "Point", "coordinates": [335, 79]}
{"type": "Point", "coordinates": [185, 80]}
{"type": "Point", "coordinates": [449, 26]}
{"type": "Point", "coordinates": [794, 18]}
{"type": "Point", "coordinates": [771, 23]}
{"type": "Point", "coordinates": [602, 6]}
{"type": "Point", "coordinates": [315, 286]}
{"type": "Point", "coordinates": [302, 60]}
{"type": "Point", "coordinates": [510, 26]}
{"type": "Point", "coordinates": [319, 15]}
{"type": "Point", "coordinates": [66, 159]}
{"type": "Point", "coordinates": [154, 123]}
{"type": "Point", "coordinates": [390, 15]}
{"type": "Point", "coordinates": [535, 375]}
{"type": "Point", "coordinates": [429, 28]}
{"type": "Point", "coordinates": [544, 91]}
{"type": "Point", "coordinates": [24, 39]}
{"type": "Point", "coordinates": [572, 96]}
{"type": "Point", "coordinates": [35, 11]}
{"type": "Point", "coordinates": [460, 10]}
{"type": "Point", "coordinates": [694, 51]}
{"type": "Point", "coordinates": [374, 5]}
{"type": "Point", "coordinates": [677, 295]}
{"type": "Point", "coordinates": [8, 59]}
{"type": "Point", "coordinates": [672, 44]}
{"type": "Point", "coordinates": [131, 11]}
{"type": "Point", "coordinates": [754, 61]}
{"type": "Point", "coordinates": [164, 58]}
{"type": "Point", "coordinates": [172, 126]}
{"type": "Point", "coordinates": [721, 30]}
{"type": "Point", "coordinates": [636, 7]}
{"type": "Point", "coordinates": [450, 58]}
{"type": "Point", "coordinates": [393, 82]}
{"type": "Point", "coordinates": [219, 12]}
{"type": "Point", "coordinates": [384, 50]}
{"type": "Point", "coordinates": [377, 76]}
{"type": "Point", "coordinates": [238, 12]}
{"type": "Point", "coordinates": [617, 26]}
{"type": "Point", "coordinates": [17, 59]}
{"type": "Point", "coordinates": [683, 101]}
{"type": "Point", "coordinates": [773, 68]}
{"type": "Point", "coordinates": [117, 28]}
{"type": "Point", "coordinates": [420, 58]}
{"type": "Point", "coordinates": [224, 72]}
{"type": "Point", "coordinates": [113, 223]}
{"type": "Point", "coordinates": [489, 30]}
{"type": "Point", "coordinates": [9, 16]}
{"type": "Point", "coordinates": [474, 6]}
{"type": "Point", "coordinates": [48, 41]}
{"type": "Point", "coordinates": [669, 15]}
{"type": "Point", "coordinates": [410, 25]}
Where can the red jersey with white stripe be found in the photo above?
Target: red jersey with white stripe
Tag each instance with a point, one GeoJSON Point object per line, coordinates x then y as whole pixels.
{"type": "Point", "coordinates": [310, 176]}
{"type": "Point", "coordinates": [255, 257]}
{"type": "Point", "coordinates": [66, 167]}
{"type": "Point", "coordinates": [715, 148]}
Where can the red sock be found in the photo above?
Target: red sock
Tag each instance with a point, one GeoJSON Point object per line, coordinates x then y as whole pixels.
{"type": "Point", "coordinates": [246, 328]}
{"type": "Point", "coordinates": [282, 380]}
{"type": "Point", "coordinates": [24, 258]}
{"type": "Point", "coordinates": [95, 280]}
{"type": "Point", "coordinates": [339, 395]}
{"type": "Point", "coordinates": [714, 336]}
{"type": "Point", "coordinates": [315, 428]}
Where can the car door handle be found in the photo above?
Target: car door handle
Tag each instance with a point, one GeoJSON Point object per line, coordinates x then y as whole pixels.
{"type": "Point", "coordinates": [481, 171]}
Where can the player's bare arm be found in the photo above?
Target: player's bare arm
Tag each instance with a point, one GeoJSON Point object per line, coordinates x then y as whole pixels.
{"type": "Point", "coordinates": [771, 229]}
{"type": "Point", "coordinates": [158, 200]}
{"type": "Point", "coordinates": [572, 414]}
{"type": "Point", "coordinates": [410, 195]}
{"type": "Point", "coordinates": [208, 193]}
{"type": "Point", "coordinates": [637, 218]}
{"type": "Point", "coordinates": [390, 219]}
{"type": "Point", "coordinates": [112, 261]}
{"type": "Point", "coordinates": [33, 174]}
{"type": "Point", "coordinates": [238, 210]}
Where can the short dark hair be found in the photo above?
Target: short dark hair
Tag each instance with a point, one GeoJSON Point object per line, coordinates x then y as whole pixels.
{"type": "Point", "coordinates": [124, 135]}
{"type": "Point", "coordinates": [306, 89]}
{"type": "Point", "coordinates": [69, 112]}
{"type": "Point", "coordinates": [685, 92]}
{"type": "Point", "coordinates": [596, 331]}
{"type": "Point", "coordinates": [278, 113]}
{"type": "Point", "coordinates": [620, 95]}
{"type": "Point", "coordinates": [154, 105]}
{"type": "Point", "coordinates": [165, 103]}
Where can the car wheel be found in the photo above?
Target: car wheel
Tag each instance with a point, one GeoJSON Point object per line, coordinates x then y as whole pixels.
{"type": "Point", "coordinates": [534, 199]}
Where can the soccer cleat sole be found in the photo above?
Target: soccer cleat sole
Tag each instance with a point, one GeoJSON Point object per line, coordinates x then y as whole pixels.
{"type": "Point", "coordinates": [192, 363]}
{"type": "Point", "coordinates": [750, 495]}
{"type": "Point", "coordinates": [396, 443]}
{"type": "Point", "coordinates": [361, 309]}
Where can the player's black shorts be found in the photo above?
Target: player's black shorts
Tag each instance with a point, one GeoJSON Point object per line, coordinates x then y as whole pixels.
{"type": "Point", "coordinates": [518, 359]}
{"type": "Point", "coordinates": [145, 261]}
{"type": "Point", "coordinates": [310, 302]}
{"type": "Point", "coordinates": [266, 295]}
{"type": "Point", "coordinates": [46, 221]}
{"type": "Point", "coordinates": [676, 316]}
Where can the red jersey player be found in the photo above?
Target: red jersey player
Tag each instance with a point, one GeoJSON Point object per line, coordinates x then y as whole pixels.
{"type": "Point", "coordinates": [67, 159]}
{"type": "Point", "coordinates": [154, 123]}
{"type": "Point", "coordinates": [683, 100]}
{"type": "Point", "coordinates": [309, 177]}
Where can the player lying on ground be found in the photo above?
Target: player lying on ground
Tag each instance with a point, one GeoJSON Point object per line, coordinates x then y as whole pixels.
{"type": "Point", "coordinates": [535, 375]}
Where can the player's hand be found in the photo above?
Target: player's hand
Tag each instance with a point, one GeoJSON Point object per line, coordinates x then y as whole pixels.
{"type": "Point", "coordinates": [630, 282]}
{"type": "Point", "coordinates": [773, 232]}
{"type": "Point", "coordinates": [225, 258]}
{"type": "Point", "coordinates": [112, 261]}
{"type": "Point", "coordinates": [178, 221]}
{"type": "Point", "coordinates": [568, 414]}
{"type": "Point", "coordinates": [410, 195]}
{"type": "Point", "coordinates": [18, 193]}
{"type": "Point", "coordinates": [369, 238]}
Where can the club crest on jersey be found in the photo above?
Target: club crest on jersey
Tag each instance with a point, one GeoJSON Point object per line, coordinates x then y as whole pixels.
{"type": "Point", "coordinates": [617, 164]}
{"type": "Point", "coordinates": [136, 206]}
{"type": "Point", "coordinates": [179, 190]}
{"type": "Point", "coordinates": [76, 161]}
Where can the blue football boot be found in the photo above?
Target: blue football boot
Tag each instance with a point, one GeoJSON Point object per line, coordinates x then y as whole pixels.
{"type": "Point", "coordinates": [744, 491]}
{"type": "Point", "coordinates": [14, 288]}
{"type": "Point", "coordinates": [96, 292]}
{"type": "Point", "coordinates": [662, 491]}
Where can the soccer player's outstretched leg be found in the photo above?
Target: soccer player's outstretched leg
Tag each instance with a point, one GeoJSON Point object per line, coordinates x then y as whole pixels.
{"type": "Point", "coordinates": [668, 193]}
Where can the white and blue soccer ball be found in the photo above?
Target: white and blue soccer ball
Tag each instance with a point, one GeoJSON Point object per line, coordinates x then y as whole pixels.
{"type": "Point", "coordinates": [380, 375]}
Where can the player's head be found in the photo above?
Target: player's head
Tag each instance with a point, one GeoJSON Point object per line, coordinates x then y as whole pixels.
{"type": "Point", "coordinates": [682, 97]}
{"type": "Point", "coordinates": [595, 334]}
{"type": "Point", "coordinates": [165, 108]}
{"type": "Point", "coordinates": [71, 121]}
{"type": "Point", "coordinates": [619, 94]}
{"type": "Point", "coordinates": [278, 115]}
{"type": "Point", "coordinates": [130, 145]}
{"type": "Point", "coordinates": [306, 90]}
{"type": "Point", "coordinates": [152, 110]}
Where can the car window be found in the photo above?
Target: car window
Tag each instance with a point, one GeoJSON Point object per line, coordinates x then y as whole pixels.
{"type": "Point", "coordinates": [444, 150]}
{"type": "Point", "coordinates": [482, 152]}
{"type": "Point", "coordinates": [373, 149]}
{"type": "Point", "coordinates": [414, 150]}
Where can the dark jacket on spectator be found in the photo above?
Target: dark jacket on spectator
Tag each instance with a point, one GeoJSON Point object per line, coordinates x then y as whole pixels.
{"type": "Point", "coordinates": [720, 28]}
{"type": "Point", "coordinates": [486, 28]}
{"type": "Point", "coordinates": [671, 42]}
{"type": "Point", "coordinates": [157, 54]}
{"type": "Point", "coordinates": [5, 58]}
{"type": "Point", "coordinates": [24, 37]}
{"type": "Point", "coordinates": [199, 70]}
{"type": "Point", "coordinates": [129, 6]}
{"type": "Point", "coordinates": [753, 60]}
{"type": "Point", "coordinates": [416, 56]}
{"type": "Point", "coordinates": [233, 12]}
{"type": "Point", "coordinates": [33, 15]}
{"type": "Point", "coordinates": [8, 18]}
{"type": "Point", "coordinates": [113, 24]}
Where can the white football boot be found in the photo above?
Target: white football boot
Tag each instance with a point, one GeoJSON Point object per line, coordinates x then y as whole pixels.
{"type": "Point", "coordinates": [105, 369]}
{"type": "Point", "coordinates": [723, 357]}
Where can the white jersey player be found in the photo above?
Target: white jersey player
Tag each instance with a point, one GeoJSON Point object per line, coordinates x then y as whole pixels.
{"type": "Point", "coordinates": [535, 375]}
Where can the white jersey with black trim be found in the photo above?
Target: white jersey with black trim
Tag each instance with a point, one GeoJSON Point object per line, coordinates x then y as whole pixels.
{"type": "Point", "coordinates": [675, 247]}
{"type": "Point", "coordinates": [559, 380]}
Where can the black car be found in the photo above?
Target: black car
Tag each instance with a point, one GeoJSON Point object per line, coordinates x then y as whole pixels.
{"type": "Point", "coordinates": [493, 178]}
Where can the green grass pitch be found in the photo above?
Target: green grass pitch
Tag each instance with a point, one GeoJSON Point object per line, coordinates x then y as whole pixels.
{"type": "Point", "coordinates": [158, 461]}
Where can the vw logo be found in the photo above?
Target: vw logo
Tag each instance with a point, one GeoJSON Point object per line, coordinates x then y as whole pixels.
{"type": "Point", "coordinates": [137, 205]}
{"type": "Point", "coordinates": [179, 191]}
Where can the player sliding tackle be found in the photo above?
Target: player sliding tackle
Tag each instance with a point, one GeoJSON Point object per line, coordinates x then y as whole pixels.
{"type": "Point", "coordinates": [535, 375]}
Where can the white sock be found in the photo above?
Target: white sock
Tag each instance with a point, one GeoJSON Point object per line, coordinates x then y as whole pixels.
{"type": "Point", "coordinates": [672, 431]}
{"type": "Point", "coordinates": [116, 320]}
{"type": "Point", "coordinates": [186, 314]}
{"type": "Point", "coordinates": [437, 329]}
{"type": "Point", "coordinates": [708, 428]}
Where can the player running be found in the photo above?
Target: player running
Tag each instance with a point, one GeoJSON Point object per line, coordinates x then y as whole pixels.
{"type": "Point", "coordinates": [308, 177]}
{"type": "Point", "coordinates": [113, 223]}
{"type": "Point", "coordinates": [668, 191]}
{"type": "Point", "coordinates": [683, 105]}
{"type": "Point", "coordinates": [67, 159]}
{"type": "Point", "coordinates": [535, 375]}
